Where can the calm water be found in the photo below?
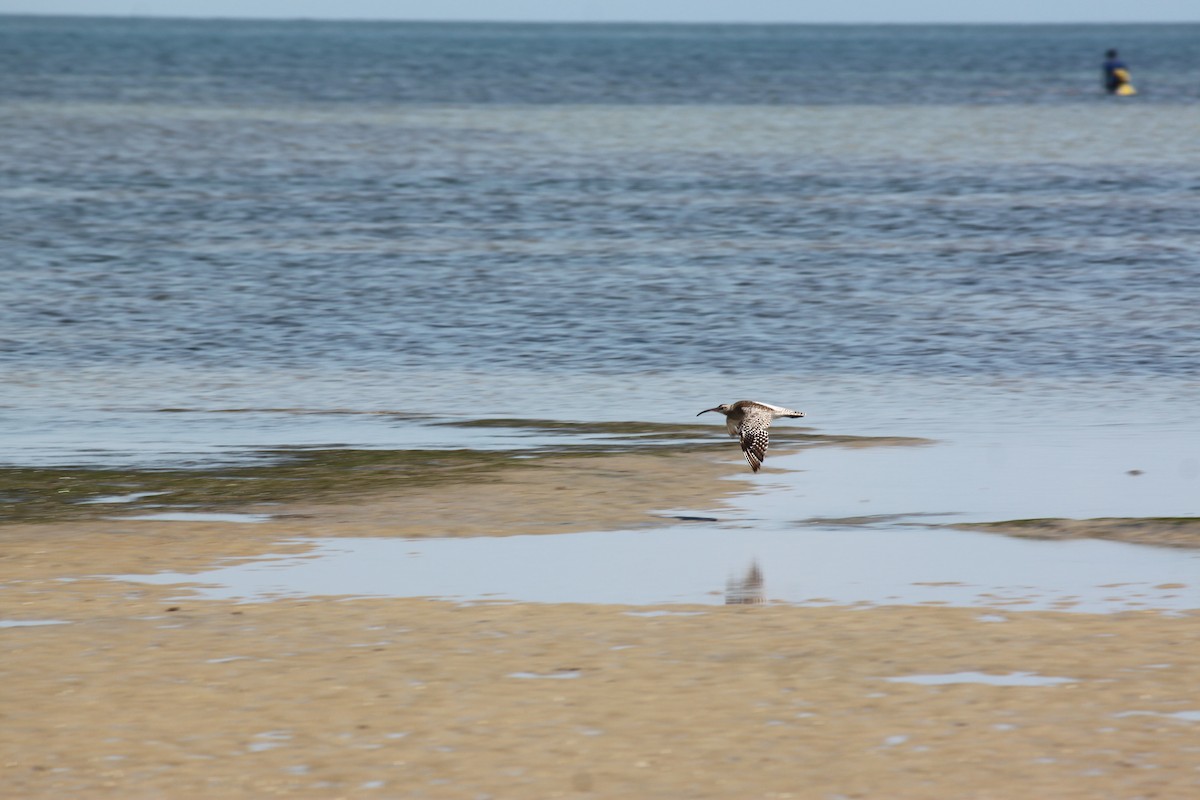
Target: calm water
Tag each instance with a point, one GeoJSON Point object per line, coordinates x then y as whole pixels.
{"type": "Point", "coordinates": [898, 229]}
{"type": "Point", "coordinates": [701, 565]}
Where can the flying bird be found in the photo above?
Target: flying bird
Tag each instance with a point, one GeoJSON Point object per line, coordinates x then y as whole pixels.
{"type": "Point", "coordinates": [747, 421]}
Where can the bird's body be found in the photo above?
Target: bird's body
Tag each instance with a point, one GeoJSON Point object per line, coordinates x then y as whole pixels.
{"type": "Point", "coordinates": [748, 421]}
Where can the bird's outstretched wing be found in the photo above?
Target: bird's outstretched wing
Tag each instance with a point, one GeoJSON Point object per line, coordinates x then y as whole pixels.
{"type": "Point", "coordinates": [753, 435]}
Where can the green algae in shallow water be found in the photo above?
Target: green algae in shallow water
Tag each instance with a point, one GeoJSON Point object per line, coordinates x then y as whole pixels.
{"type": "Point", "coordinates": [36, 494]}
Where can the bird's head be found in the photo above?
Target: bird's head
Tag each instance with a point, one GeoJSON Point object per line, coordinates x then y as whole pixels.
{"type": "Point", "coordinates": [723, 408]}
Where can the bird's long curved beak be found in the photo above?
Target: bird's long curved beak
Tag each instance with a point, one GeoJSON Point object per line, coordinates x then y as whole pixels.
{"type": "Point", "coordinates": [705, 411]}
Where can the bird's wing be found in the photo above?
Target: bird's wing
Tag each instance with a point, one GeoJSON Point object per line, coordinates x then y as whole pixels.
{"type": "Point", "coordinates": [753, 435]}
{"type": "Point", "coordinates": [779, 411]}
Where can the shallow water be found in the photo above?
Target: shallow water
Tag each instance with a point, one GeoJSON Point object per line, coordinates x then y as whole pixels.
{"type": "Point", "coordinates": [197, 516]}
{"type": "Point", "coordinates": [823, 525]}
{"type": "Point", "coordinates": [223, 238]}
{"type": "Point", "coordinates": [695, 564]}
{"type": "Point", "coordinates": [1005, 473]}
{"type": "Point", "coordinates": [1009, 679]}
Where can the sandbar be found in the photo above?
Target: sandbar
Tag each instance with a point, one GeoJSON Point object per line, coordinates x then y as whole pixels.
{"type": "Point", "coordinates": [148, 691]}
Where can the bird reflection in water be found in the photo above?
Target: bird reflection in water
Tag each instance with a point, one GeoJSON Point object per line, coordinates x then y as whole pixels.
{"type": "Point", "coordinates": [746, 590]}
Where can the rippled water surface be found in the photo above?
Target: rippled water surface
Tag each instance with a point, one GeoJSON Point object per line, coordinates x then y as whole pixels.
{"type": "Point", "coordinates": [586, 222]}
{"type": "Point", "coordinates": [601, 239]}
{"type": "Point", "coordinates": [242, 62]}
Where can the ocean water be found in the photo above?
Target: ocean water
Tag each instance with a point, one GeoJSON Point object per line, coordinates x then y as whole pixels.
{"type": "Point", "coordinates": [937, 231]}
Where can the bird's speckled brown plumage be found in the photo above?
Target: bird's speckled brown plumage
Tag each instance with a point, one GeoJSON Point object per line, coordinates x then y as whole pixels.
{"type": "Point", "coordinates": [748, 421]}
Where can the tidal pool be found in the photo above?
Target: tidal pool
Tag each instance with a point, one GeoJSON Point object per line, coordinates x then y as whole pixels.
{"type": "Point", "coordinates": [1006, 679]}
{"type": "Point", "coordinates": [714, 564]}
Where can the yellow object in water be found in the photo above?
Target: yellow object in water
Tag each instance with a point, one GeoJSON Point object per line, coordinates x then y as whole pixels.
{"type": "Point", "coordinates": [1125, 87]}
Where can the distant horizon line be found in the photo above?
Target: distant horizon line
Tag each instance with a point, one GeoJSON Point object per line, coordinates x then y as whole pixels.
{"type": "Point", "coordinates": [678, 23]}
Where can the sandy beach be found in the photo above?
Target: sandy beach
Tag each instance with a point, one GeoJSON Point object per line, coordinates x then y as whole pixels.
{"type": "Point", "coordinates": [144, 691]}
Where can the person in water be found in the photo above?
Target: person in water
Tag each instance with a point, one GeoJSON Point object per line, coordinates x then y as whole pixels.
{"type": "Point", "coordinates": [1116, 74]}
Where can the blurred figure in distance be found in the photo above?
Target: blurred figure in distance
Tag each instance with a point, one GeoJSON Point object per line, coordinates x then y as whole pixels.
{"type": "Point", "coordinates": [1116, 75]}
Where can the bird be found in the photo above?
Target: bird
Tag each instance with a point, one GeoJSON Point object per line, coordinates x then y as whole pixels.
{"type": "Point", "coordinates": [747, 421]}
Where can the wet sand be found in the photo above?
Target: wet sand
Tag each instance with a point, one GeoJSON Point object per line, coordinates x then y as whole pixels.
{"type": "Point", "coordinates": [146, 692]}
{"type": "Point", "coordinates": [1157, 531]}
